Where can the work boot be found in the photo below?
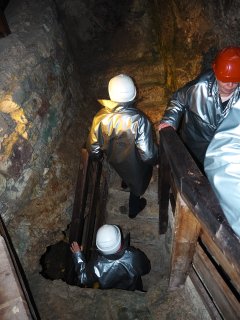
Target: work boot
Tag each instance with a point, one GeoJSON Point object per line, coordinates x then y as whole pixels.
{"type": "Point", "coordinates": [134, 212]}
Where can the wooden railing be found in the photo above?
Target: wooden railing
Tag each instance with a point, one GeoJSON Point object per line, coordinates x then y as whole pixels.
{"type": "Point", "coordinates": [204, 246]}
{"type": "Point", "coordinates": [88, 209]}
{"type": "Point", "coordinates": [16, 301]}
{"type": "Point", "coordinates": [4, 28]}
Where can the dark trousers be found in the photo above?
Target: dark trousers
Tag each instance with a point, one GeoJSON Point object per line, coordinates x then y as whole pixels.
{"type": "Point", "coordinates": [134, 203]}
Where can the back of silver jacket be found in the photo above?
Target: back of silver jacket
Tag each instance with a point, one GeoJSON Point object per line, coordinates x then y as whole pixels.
{"type": "Point", "coordinates": [222, 166]}
{"type": "Point", "coordinates": [120, 271]}
{"type": "Point", "coordinates": [124, 135]}
{"type": "Point", "coordinates": [197, 111]}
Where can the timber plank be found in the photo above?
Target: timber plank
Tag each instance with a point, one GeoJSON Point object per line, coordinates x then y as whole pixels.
{"type": "Point", "coordinates": [198, 194]}
{"type": "Point", "coordinates": [4, 27]}
{"type": "Point", "coordinates": [207, 301]}
{"type": "Point", "coordinates": [12, 301]}
{"type": "Point", "coordinates": [76, 228]}
{"type": "Point", "coordinates": [92, 207]}
{"type": "Point", "coordinates": [222, 296]}
{"type": "Point", "coordinates": [186, 233]}
{"type": "Point", "coordinates": [18, 274]}
{"type": "Point", "coordinates": [231, 269]}
{"type": "Point", "coordinates": [199, 223]}
{"type": "Point", "coordinates": [163, 190]}
{"type": "Point", "coordinates": [79, 205]}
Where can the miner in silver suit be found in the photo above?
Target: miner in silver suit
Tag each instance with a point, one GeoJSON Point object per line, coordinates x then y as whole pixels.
{"type": "Point", "coordinates": [124, 135]}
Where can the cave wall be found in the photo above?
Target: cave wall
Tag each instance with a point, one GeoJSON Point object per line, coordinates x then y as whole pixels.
{"type": "Point", "coordinates": [191, 33]}
{"type": "Point", "coordinates": [40, 94]}
{"type": "Point", "coordinates": [86, 20]}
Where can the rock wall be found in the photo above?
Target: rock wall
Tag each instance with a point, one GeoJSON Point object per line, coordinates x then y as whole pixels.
{"type": "Point", "coordinates": [39, 96]}
{"type": "Point", "coordinates": [190, 34]}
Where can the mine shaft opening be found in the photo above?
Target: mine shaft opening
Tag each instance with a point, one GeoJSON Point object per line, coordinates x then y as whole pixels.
{"type": "Point", "coordinates": [53, 261]}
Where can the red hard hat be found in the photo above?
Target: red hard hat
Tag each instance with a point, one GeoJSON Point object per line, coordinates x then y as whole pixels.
{"type": "Point", "coordinates": [226, 65]}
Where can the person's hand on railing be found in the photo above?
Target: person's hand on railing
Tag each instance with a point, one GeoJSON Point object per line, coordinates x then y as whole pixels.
{"type": "Point", "coordinates": [165, 125]}
{"type": "Point", "coordinates": [75, 247]}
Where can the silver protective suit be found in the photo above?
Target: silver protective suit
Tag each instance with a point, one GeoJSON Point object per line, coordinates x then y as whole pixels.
{"type": "Point", "coordinates": [124, 134]}
{"type": "Point", "coordinates": [122, 270]}
{"type": "Point", "coordinates": [222, 166]}
{"type": "Point", "coordinates": [196, 110]}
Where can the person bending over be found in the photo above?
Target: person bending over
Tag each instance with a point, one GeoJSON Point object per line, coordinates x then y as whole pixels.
{"type": "Point", "coordinates": [198, 108]}
{"type": "Point", "coordinates": [115, 264]}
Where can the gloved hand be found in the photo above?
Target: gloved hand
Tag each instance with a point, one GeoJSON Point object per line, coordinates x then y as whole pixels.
{"type": "Point", "coordinates": [75, 247]}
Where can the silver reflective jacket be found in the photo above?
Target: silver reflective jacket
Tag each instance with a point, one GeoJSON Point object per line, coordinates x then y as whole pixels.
{"type": "Point", "coordinates": [120, 271]}
{"type": "Point", "coordinates": [124, 134]}
{"type": "Point", "coordinates": [197, 111]}
{"type": "Point", "coordinates": [222, 166]}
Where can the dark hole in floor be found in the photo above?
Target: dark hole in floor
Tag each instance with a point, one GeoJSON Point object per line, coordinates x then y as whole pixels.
{"type": "Point", "coordinates": [53, 261]}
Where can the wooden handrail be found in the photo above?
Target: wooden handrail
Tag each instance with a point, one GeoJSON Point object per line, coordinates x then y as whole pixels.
{"type": "Point", "coordinates": [4, 28]}
{"type": "Point", "coordinates": [203, 240]}
{"type": "Point", "coordinates": [19, 293]}
{"type": "Point", "coordinates": [196, 191]}
{"type": "Point", "coordinates": [88, 209]}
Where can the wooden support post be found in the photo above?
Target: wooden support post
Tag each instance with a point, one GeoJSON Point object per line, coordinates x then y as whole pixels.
{"type": "Point", "coordinates": [16, 300]}
{"type": "Point", "coordinates": [4, 28]}
{"type": "Point", "coordinates": [221, 294]}
{"type": "Point", "coordinates": [90, 216]}
{"type": "Point", "coordinates": [186, 233]}
{"type": "Point", "coordinates": [85, 210]}
{"type": "Point", "coordinates": [13, 304]}
{"type": "Point", "coordinates": [206, 299]}
{"type": "Point", "coordinates": [79, 205]}
{"type": "Point", "coordinates": [77, 223]}
{"type": "Point", "coordinates": [163, 190]}
{"type": "Point", "coordinates": [229, 266]}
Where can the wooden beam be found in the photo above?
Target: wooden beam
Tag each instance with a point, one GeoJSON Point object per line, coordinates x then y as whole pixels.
{"type": "Point", "coordinates": [229, 267]}
{"type": "Point", "coordinates": [79, 205]}
{"type": "Point", "coordinates": [19, 289]}
{"type": "Point", "coordinates": [206, 299]}
{"type": "Point", "coordinates": [76, 228]}
{"type": "Point", "coordinates": [186, 233]}
{"type": "Point", "coordinates": [203, 239]}
{"type": "Point", "coordinates": [222, 296]}
{"type": "Point", "coordinates": [4, 28]}
{"type": "Point", "coordinates": [92, 207]}
{"type": "Point", "coordinates": [163, 190]}
{"type": "Point", "coordinates": [198, 195]}
{"type": "Point", "coordinates": [12, 301]}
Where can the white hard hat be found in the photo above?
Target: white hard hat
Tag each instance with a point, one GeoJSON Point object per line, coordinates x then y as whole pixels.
{"type": "Point", "coordinates": [108, 239]}
{"type": "Point", "coordinates": [121, 88]}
